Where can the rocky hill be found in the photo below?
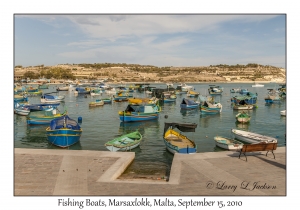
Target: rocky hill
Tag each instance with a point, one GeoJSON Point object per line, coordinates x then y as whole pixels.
{"type": "Point", "coordinates": [147, 73]}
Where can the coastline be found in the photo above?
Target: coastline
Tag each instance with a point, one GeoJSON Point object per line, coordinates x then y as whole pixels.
{"type": "Point", "coordinates": [227, 82]}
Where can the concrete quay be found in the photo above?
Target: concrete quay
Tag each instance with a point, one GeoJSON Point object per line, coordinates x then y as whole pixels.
{"type": "Point", "coordinates": [44, 172]}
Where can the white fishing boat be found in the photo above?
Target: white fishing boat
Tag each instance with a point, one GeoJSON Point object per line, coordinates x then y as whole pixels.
{"type": "Point", "coordinates": [283, 113]}
{"type": "Point", "coordinates": [243, 107]}
{"type": "Point", "coordinates": [252, 138]}
{"type": "Point", "coordinates": [21, 110]}
{"type": "Point", "coordinates": [258, 85]}
{"type": "Point", "coordinates": [227, 143]}
{"type": "Point", "coordinates": [63, 88]}
{"type": "Point", "coordinates": [186, 88]}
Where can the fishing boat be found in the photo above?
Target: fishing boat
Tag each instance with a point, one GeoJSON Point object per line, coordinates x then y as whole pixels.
{"type": "Point", "coordinates": [244, 91]}
{"type": "Point", "coordinates": [242, 107]}
{"type": "Point", "coordinates": [20, 98]}
{"type": "Point", "coordinates": [185, 88]}
{"type": "Point", "coordinates": [227, 143]}
{"type": "Point", "coordinates": [252, 138]}
{"type": "Point", "coordinates": [215, 90]}
{"type": "Point", "coordinates": [63, 88]}
{"type": "Point", "coordinates": [249, 98]}
{"type": "Point", "coordinates": [283, 113]}
{"type": "Point", "coordinates": [98, 102]}
{"type": "Point", "coordinates": [44, 117]}
{"type": "Point", "coordinates": [235, 90]}
{"type": "Point", "coordinates": [191, 93]}
{"type": "Point", "coordinates": [125, 142]}
{"type": "Point", "coordinates": [22, 110]}
{"type": "Point", "coordinates": [273, 97]}
{"type": "Point", "coordinates": [43, 86]}
{"type": "Point", "coordinates": [138, 100]}
{"type": "Point", "coordinates": [82, 90]}
{"type": "Point", "coordinates": [188, 104]}
{"type": "Point", "coordinates": [96, 92]}
{"type": "Point", "coordinates": [243, 117]}
{"type": "Point", "coordinates": [63, 132]}
{"type": "Point", "coordinates": [169, 96]}
{"type": "Point", "coordinates": [40, 107]}
{"type": "Point", "coordinates": [176, 142]}
{"type": "Point", "coordinates": [210, 108]}
{"type": "Point", "coordinates": [258, 85]}
{"type": "Point", "coordinates": [107, 100]}
{"type": "Point", "coordinates": [139, 113]}
{"type": "Point", "coordinates": [49, 98]}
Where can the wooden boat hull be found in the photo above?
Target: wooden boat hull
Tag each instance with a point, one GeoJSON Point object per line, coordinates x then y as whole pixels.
{"type": "Point", "coordinates": [178, 143]}
{"type": "Point", "coordinates": [63, 137]}
{"type": "Point", "coordinates": [243, 107]}
{"type": "Point", "coordinates": [125, 142]}
{"type": "Point", "coordinates": [252, 138]}
{"type": "Point", "coordinates": [227, 143]}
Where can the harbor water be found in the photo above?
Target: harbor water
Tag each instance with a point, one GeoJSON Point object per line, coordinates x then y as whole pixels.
{"type": "Point", "coordinates": [101, 124]}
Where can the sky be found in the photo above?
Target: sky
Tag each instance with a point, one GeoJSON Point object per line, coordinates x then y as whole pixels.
{"type": "Point", "coordinates": [150, 39]}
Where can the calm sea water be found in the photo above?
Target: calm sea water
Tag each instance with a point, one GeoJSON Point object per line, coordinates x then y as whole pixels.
{"type": "Point", "coordinates": [101, 124]}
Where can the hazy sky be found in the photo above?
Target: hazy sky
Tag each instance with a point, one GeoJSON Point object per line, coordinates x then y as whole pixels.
{"type": "Point", "coordinates": [159, 40]}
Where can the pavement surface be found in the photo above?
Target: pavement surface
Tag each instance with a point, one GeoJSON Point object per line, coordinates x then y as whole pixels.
{"type": "Point", "coordinates": [44, 172]}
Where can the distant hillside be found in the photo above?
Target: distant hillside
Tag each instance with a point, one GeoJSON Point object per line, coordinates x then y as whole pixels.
{"type": "Point", "coordinates": [137, 73]}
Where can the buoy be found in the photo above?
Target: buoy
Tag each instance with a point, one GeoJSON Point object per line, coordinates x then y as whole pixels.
{"type": "Point", "coordinates": [76, 104]}
{"type": "Point", "coordinates": [79, 119]}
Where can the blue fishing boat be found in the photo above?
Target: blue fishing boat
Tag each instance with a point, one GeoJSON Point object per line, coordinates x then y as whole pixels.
{"type": "Point", "coordinates": [176, 142]}
{"type": "Point", "coordinates": [169, 97]}
{"type": "Point", "coordinates": [107, 100]}
{"type": "Point", "coordinates": [63, 131]}
{"type": "Point", "coordinates": [82, 90]}
{"type": "Point", "coordinates": [210, 108]}
{"type": "Point", "coordinates": [188, 104]}
{"type": "Point", "coordinates": [121, 96]}
{"type": "Point", "coordinates": [244, 91]}
{"type": "Point", "coordinates": [40, 107]}
{"type": "Point", "coordinates": [273, 97]}
{"type": "Point", "coordinates": [43, 117]}
{"type": "Point", "coordinates": [49, 98]}
{"type": "Point", "coordinates": [135, 112]}
{"type": "Point", "coordinates": [249, 98]}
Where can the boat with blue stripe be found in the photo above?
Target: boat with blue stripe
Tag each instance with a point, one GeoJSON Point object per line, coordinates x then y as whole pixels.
{"type": "Point", "coordinates": [63, 132]}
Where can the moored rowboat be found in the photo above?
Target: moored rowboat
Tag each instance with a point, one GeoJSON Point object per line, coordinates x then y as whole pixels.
{"type": "Point", "coordinates": [227, 143]}
{"type": "Point", "coordinates": [252, 138]}
{"type": "Point", "coordinates": [125, 142]}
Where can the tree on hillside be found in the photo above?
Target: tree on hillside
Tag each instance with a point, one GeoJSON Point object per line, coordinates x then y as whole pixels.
{"type": "Point", "coordinates": [31, 75]}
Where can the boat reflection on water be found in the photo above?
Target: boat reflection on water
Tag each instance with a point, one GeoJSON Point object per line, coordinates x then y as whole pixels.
{"type": "Point", "coordinates": [189, 112]}
{"type": "Point", "coordinates": [242, 126]}
{"type": "Point", "coordinates": [205, 119]}
{"type": "Point", "coordinates": [126, 127]}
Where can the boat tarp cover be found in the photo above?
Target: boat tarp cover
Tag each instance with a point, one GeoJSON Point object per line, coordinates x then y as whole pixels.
{"type": "Point", "coordinates": [188, 102]}
{"type": "Point", "coordinates": [186, 127]}
{"type": "Point", "coordinates": [65, 120]}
